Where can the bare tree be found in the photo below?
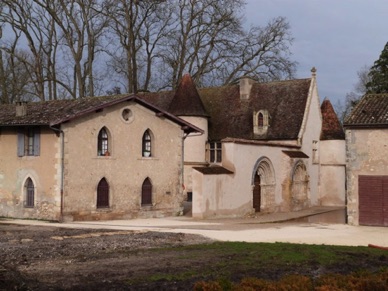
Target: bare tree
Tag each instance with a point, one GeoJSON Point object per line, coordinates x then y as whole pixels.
{"type": "Point", "coordinates": [139, 27]}
{"type": "Point", "coordinates": [150, 44]}
{"type": "Point", "coordinates": [211, 44]}
{"type": "Point", "coordinates": [81, 25]}
{"type": "Point", "coordinates": [344, 107]}
{"type": "Point", "coordinates": [165, 39]}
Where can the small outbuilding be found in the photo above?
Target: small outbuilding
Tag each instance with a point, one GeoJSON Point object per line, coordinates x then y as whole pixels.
{"type": "Point", "coordinates": [366, 130]}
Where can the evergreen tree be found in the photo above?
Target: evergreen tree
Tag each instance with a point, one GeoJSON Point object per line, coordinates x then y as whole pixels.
{"type": "Point", "coordinates": [379, 74]}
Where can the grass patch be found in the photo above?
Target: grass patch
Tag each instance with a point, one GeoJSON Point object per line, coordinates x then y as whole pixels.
{"type": "Point", "coordinates": [227, 262]}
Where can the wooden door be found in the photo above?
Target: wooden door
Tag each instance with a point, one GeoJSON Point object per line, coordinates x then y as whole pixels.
{"type": "Point", "coordinates": [257, 194]}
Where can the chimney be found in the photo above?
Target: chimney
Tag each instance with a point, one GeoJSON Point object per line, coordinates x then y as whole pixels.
{"type": "Point", "coordinates": [21, 108]}
{"type": "Point", "coordinates": [245, 87]}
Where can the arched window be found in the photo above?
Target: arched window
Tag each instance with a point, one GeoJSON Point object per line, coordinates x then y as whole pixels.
{"type": "Point", "coordinates": [146, 192]}
{"type": "Point", "coordinates": [260, 120]}
{"type": "Point", "coordinates": [29, 190]}
{"type": "Point", "coordinates": [103, 143]}
{"type": "Point", "coordinates": [103, 194]}
{"type": "Point", "coordinates": [146, 144]}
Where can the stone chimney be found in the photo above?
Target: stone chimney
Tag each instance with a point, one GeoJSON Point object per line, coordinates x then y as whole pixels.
{"type": "Point", "coordinates": [245, 87]}
{"type": "Point", "coordinates": [21, 108]}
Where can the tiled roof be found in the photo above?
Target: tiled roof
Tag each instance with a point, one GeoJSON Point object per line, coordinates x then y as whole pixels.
{"type": "Point", "coordinates": [331, 127]}
{"type": "Point", "coordinates": [52, 113]}
{"type": "Point", "coordinates": [213, 170]}
{"type": "Point", "coordinates": [230, 116]}
{"type": "Point", "coordinates": [49, 112]}
{"type": "Point", "coordinates": [370, 111]}
{"type": "Point", "coordinates": [186, 101]}
{"type": "Point", "coordinates": [285, 102]}
{"type": "Point", "coordinates": [296, 154]}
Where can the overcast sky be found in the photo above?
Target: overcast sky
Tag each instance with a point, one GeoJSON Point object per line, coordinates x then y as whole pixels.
{"type": "Point", "coordinates": [338, 37]}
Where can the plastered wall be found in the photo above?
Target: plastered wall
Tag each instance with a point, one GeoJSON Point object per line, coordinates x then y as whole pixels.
{"type": "Point", "coordinates": [124, 169]}
{"type": "Point", "coordinates": [43, 170]}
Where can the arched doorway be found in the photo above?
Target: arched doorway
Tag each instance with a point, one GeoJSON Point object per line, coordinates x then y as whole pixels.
{"type": "Point", "coordinates": [257, 194]}
{"type": "Point", "coordinates": [146, 192]}
{"type": "Point", "coordinates": [263, 185]}
{"type": "Point", "coordinates": [299, 189]}
{"type": "Point", "coordinates": [103, 194]}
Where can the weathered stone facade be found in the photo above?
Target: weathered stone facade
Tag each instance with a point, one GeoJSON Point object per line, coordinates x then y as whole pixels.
{"type": "Point", "coordinates": [69, 167]}
{"type": "Point", "coordinates": [42, 170]}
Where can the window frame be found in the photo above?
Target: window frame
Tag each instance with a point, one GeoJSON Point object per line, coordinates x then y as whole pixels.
{"type": "Point", "coordinates": [215, 152]}
{"type": "Point", "coordinates": [260, 119]}
{"type": "Point", "coordinates": [146, 150]}
{"type": "Point", "coordinates": [103, 142]}
{"type": "Point", "coordinates": [28, 141]}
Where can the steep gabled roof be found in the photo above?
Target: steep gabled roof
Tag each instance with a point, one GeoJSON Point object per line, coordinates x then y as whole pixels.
{"type": "Point", "coordinates": [186, 101]}
{"type": "Point", "coordinates": [331, 127]}
{"type": "Point", "coordinates": [231, 116]}
{"type": "Point", "coordinates": [52, 113]}
{"type": "Point", "coordinates": [370, 111]}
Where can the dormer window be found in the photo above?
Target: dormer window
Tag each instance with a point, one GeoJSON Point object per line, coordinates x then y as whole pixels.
{"type": "Point", "coordinates": [260, 122]}
{"type": "Point", "coordinates": [260, 119]}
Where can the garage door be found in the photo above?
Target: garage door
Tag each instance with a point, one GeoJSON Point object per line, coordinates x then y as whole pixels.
{"type": "Point", "coordinates": [373, 200]}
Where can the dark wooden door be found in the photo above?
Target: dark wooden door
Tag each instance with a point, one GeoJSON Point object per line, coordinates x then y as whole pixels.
{"type": "Point", "coordinates": [373, 200]}
{"type": "Point", "coordinates": [146, 192]}
{"type": "Point", "coordinates": [257, 194]}
{"type": "Point", "coordinates": [103, 194]}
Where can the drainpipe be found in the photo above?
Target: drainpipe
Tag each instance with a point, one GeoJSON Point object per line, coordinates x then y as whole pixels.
{"type": "Point", "coordinates": [62, 134]}
{"type": "Point", "coordinates": [183, 161]}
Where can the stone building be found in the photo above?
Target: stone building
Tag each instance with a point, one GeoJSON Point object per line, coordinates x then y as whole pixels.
{"type": "Point", "coordinates": [266, 147]}
{"type": "Point", "coordinates": [366, 131]}
{"type": "Point", "coordinates": [94, 158]}
{"type": "Point", "coordinates": [237, 149]}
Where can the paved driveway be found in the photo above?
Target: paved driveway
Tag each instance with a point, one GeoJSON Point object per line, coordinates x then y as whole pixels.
{"type": "Point", "coordinates": [264, 228]}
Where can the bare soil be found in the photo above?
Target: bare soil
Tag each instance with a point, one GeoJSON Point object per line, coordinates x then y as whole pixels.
{"type": "Point", "coordinates": [51, 258]}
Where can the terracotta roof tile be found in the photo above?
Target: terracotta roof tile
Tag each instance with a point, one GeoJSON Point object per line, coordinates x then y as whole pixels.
{"type": "Point", "coordinates": [52, 113]}
{"type": "Point", "coordinates": [370, 111]}
{"type": "Point", "coordinates": [296, 154]}
{"type": "Point", "coordinates": [186, 101]}
{"type": "Point", "coordinates": [213, 170]}
{"type": "Point", "coordinates": [233, 117]}
{"type": "Point", "coordinates": [230, 116]}
{"type": "Point", "coordinates": [331, 127]}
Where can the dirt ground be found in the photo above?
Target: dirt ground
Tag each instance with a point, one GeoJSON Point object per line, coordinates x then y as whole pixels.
{"type": "Point", "coordinates": [51, 258]}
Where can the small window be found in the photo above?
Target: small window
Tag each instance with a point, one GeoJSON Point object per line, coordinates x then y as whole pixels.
{"type": "Point", "coordinates": [103, 194]}
{"type": "Point", "coordinates": [215, 152]}
{"type": "Point", "coordinates": [260, 120]}
{"type": "Point", "coordinates": [127, 115]}
{"type": "Point", "coordinates": [146, 147]}
{"type": "Point", "coordinates": [29, 142]}
{"type": "Point", "coordinates": [315, 152]}
{"type": "Point", "coordinates": [29, 190]}
{"type": "Point", "coordinates": [103, 143]}
{"type": "Point", "coordinates": [146, 192]}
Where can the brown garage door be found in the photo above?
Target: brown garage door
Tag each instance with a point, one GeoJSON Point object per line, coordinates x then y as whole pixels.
{"type": "Point", "coordinates": [373, 200]}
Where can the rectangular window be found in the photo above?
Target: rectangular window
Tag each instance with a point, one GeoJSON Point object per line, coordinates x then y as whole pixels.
{"type": "Point", "coordinates": [28, 142]}
{"type": "Point", "coordinates": [315, 152]}
{"type": "Point", "coordinates": [215, 149]}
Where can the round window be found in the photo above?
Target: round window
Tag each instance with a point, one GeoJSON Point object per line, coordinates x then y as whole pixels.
{"type": "Point", "coordinates": [127, 115]}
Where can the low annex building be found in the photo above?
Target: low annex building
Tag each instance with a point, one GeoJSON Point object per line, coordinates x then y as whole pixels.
{"type": "Point", "coordinates": [238, 149]}
{"type": "Point", "coordinates": [366, 131]}
{"type": "Point", "coordinates": [93, 158]}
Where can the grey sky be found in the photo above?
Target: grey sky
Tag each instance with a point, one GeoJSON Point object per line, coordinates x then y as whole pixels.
{"type": "Point", "coordinates": [338, 37]}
